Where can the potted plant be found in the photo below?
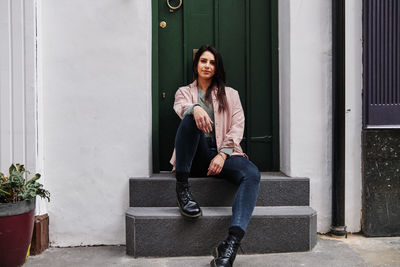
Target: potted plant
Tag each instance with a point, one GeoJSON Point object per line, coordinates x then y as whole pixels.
{"type": "Point", "coordinates": [17, 211]}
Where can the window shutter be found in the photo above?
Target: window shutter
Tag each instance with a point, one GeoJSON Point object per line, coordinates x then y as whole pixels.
{"type": "Point", "coordinates": [381, 56]}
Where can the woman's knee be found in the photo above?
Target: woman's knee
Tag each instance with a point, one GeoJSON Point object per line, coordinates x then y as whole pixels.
{"type": "Point", "coordinates": [189, 118]}
{"type": "Point", "coordinates": [240, 169]}
{"type": "Point", "coordinates": [188, 122]}
{"type": "Point", "coordinates": [187, 125]}
{"type": "Point", "coordinates": [252, 173]}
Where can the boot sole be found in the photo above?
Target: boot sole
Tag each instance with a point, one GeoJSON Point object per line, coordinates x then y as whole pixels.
{"type": "Point", "coordinates": [189, 216]}
{"type": "Point", "coordinates": [214, 253]}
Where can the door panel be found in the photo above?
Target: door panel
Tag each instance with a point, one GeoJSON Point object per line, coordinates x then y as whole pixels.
{"type": "Point", "coordinates": [259, 92]}
{"type": "Point", "coordinates": [198, 26]}
{"type": "Point", "coordinates": [241, 31]}
{"type": "Point", "coordinates": [171, 71]}
{"type": "Point", "coordinates": [232, 44]}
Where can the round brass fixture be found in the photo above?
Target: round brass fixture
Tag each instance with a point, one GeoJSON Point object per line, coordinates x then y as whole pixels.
{"type": "Point", "coordinates": [173, 8]}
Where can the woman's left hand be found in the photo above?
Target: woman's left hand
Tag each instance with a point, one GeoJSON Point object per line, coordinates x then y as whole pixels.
{"type": "Point", "coordinates": [216, 164]}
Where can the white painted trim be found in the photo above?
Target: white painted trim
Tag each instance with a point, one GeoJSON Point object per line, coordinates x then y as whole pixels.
{"type": "Point", "coordinates": [17, 84]}
{"type": "Point", "coordinates": [41, 205]}
{"type": "Point", "coordinates": [353, 183]}
{"type": "Point", "coordinates": [30, 85]}
{"type": "Point", "coordinates": [6, 151]}
{"type": "Point", "coordinates": [284, 85]}
{"type": "Point", "coordinates": [382, 127]}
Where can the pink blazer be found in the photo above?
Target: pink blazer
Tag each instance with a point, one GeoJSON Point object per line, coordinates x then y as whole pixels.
{"type": "Point", "coordinates": [229, 125]}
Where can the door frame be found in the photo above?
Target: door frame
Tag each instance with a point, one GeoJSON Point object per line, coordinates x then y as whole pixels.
{"type": "Point", "coordinates": [274, 86]}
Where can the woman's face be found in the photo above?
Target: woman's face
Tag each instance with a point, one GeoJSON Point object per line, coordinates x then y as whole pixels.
{"type": "Point", "coordinates": [206, 66]}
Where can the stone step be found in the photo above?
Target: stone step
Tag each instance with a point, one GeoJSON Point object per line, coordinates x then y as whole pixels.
{"type": "Point", "coordinates": [163, 232]}
{"type": "Point", "coordinates": [276, 189]}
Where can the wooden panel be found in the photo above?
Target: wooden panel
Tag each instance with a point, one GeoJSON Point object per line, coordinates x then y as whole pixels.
{"type": "Point", "coordinates": [198, 25]}
{"type": "Point", "coordinates": [6, 151]}
{"type": "Point", "coordinates": [260, 90]}
{"type": "Point", "coordinates": [40, 238]}
{"type": "Point", "coordinates": [232, 41]}
{"type": "Point", "coordinates": [232, 44]}
{"type": "Point", "coordinates": [17, 83]}
{"type": "Point", "coordinates": [171, 71]}
{"type": "Point", "coordinates": [30, 115]}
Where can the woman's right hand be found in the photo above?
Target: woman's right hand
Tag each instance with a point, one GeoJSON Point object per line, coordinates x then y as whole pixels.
{"type": "Point", "coordinates": [202, 119]}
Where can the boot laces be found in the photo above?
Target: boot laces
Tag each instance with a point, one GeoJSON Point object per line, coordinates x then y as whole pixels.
{"type": "Point", "coordinates": [230, 247]}
{"type": "Point", "coordinates": [185, 193]}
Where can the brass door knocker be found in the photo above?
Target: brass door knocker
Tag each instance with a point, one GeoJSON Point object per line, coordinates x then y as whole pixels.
{"type": "Point", "coordinates": [173, 8]}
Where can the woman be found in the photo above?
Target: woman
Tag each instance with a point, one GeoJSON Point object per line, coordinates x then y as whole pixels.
{"type": "Point", "coordinates": [208, 143]}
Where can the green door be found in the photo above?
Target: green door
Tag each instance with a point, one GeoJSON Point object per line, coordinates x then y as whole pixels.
{"type": "Point", "coordinates": [245, 32]}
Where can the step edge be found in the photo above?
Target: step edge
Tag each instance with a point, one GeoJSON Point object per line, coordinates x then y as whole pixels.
{"type": "Point", "coordinates": [222, 212]}
{"type": "Point", "coordinates": [263, 178]}
{"type": "Point", "coordinates": [269, 175]}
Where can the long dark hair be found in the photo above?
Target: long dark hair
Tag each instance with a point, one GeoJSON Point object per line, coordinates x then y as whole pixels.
{"type": "Point", "coordinates": [218, 78]}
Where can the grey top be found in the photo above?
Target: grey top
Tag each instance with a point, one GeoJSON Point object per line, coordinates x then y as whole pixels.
{"type": "Point", "coordinates": [208, 107]}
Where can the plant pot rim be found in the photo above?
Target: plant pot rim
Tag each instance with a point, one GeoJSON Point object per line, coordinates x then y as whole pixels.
{"type": "Point", "coordinates": [17, 208]}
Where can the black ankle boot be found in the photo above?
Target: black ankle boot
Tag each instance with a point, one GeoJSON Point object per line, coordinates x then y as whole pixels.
{"type": "Point", "coordinates": [187, 205]}
{"type": "Point", "coordinates": [225, 253]}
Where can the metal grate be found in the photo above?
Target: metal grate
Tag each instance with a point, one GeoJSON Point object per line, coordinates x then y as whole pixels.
{"type": "Point", "coordinates": [381, 30]}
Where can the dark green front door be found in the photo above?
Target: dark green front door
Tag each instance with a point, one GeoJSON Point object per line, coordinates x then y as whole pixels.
{"type": "Point", "coordinates": [245, 32]}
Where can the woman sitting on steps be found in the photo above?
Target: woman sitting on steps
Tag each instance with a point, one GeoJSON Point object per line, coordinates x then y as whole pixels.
{"type": "Point", "coordinates": [207, 143]}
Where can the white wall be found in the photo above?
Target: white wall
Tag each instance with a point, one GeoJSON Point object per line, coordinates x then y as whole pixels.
{"type": "Point", "coordinates": [353, 115]}
{"type": "Point", "coordinates": [305, 89]}
{"type": "Point", "coordinates": [96, 110]}
{"type": "Point", "coordinates": [305, 38]}
{"type": "Point", "coordinates": [18, 125]}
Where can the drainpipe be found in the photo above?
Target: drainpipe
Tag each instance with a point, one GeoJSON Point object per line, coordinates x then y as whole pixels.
{"type": "Point", "coordinates": [338, 226]}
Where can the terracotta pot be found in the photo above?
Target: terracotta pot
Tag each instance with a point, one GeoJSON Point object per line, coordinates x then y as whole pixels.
{"type": "Point", "coordinates": [16, 227]}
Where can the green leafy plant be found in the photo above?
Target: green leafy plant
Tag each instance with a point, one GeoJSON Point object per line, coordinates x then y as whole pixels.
{"type": "Point", "coordinates": [16, 187]}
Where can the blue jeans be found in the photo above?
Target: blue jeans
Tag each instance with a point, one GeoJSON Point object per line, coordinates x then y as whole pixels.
{"type": "Point", "coordinates": [194, 153]}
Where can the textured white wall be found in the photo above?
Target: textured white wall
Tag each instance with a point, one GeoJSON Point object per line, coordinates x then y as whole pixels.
{"type": "Point", "coordinates": [96, 112]}
{"type": "Point", "coordinates": [305, 86]}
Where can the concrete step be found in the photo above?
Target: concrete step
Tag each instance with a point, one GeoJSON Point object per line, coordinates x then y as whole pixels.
{"type": "Point", "coordinates": [276, 189]}
{"type": "Point", "coordinates": [163, 232]}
